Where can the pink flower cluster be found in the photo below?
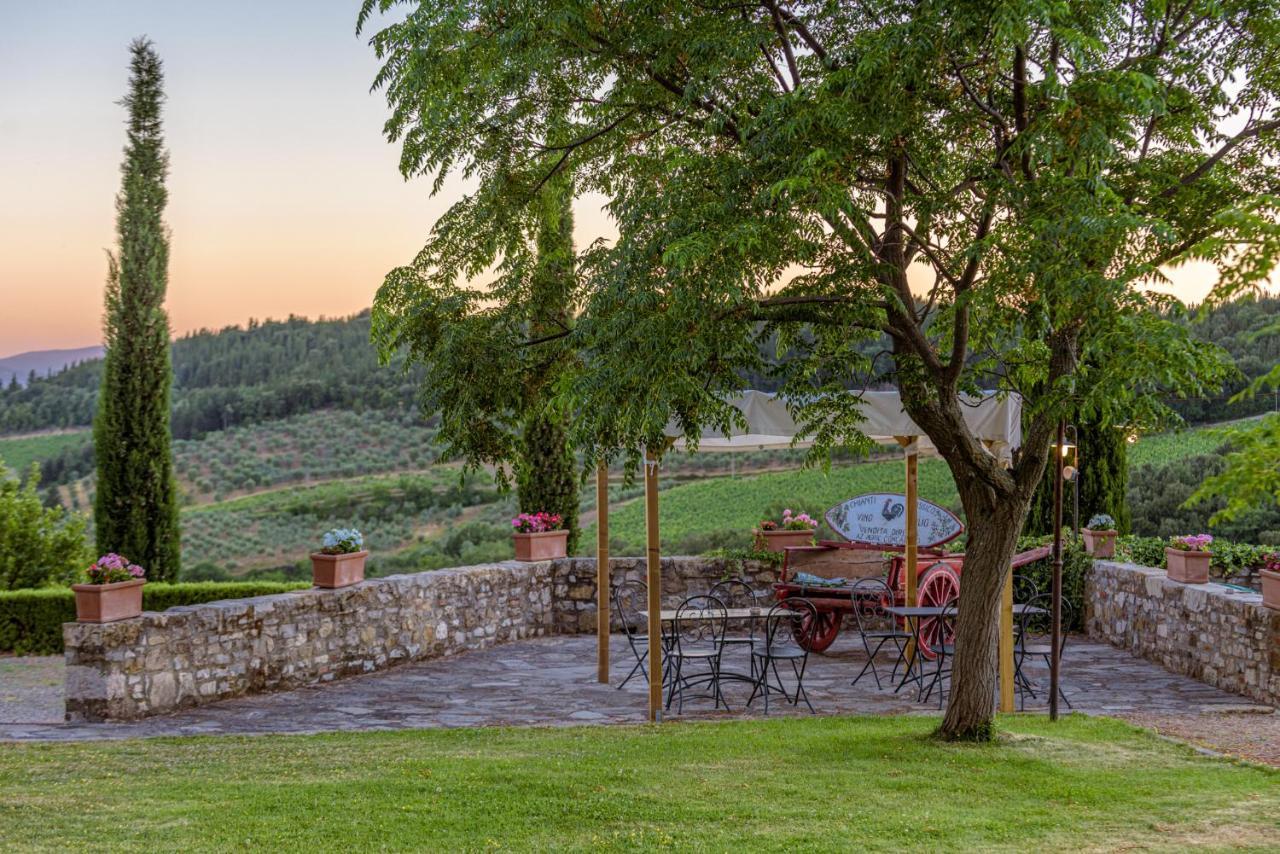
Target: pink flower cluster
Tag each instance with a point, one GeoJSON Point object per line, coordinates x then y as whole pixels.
{"type": "Point", "coordinates": [536, 523]}
{"type": "Point", "coordinates": [798, 521]}
{"type": "Point", "coordinates": [1272, 562]}
{"type": "Point", "coordinates": [1192, 542]}
{"type": "Point", "coordinates": [112, 568]}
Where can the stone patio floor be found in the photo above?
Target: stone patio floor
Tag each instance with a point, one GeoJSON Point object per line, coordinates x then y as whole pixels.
{"type": "Point", "coordinates": [551, 682]}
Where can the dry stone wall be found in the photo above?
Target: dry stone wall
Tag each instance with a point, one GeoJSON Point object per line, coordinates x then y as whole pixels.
{"type": "Point", "coordinates": [196, 654]}
{"type": "Point", "coordinates": [1210, 632]}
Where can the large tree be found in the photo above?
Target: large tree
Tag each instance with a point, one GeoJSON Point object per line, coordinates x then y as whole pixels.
{"type": "Point", "coordinates": [135, 504]}
{"type": "Point", "coordinates": [990, 185]}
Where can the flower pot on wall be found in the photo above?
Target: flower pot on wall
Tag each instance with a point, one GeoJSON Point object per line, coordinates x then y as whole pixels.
{"type": "Point", "coordinates": [781, 540]}
{"type": "Point", "coordinates": [1101, 544]}
{"type": "Point", "coordinates": [1187, 567]}
{"type": "Point", "coordinates": [1270, 588]}
{"type": "Point", "coordinates": [106, 603]}
{"type": "Point", "coordinates": [331, 571]}
{"type": "Point", "coordinates": [542, 545]}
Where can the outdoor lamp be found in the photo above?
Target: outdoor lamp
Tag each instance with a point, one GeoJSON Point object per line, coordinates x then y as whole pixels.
{"type": "Point", "coordinates": [1068, 455]}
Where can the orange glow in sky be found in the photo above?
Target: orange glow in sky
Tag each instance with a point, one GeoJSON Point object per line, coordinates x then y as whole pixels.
{"type": "Point", "coordinates": [284, 196]}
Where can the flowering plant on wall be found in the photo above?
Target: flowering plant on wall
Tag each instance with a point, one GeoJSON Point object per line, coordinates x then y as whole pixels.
{"type": "Point", "coordinates": [112, 568]}
{"type": "Point", "coordinates": [342, 541]}
{"type": "Point", "coordinates": [1271, 562]}
{"type": "Point", "coordinates": [1192, 542]}
{"type": "Point", "coordinates": [798, 521]}
{"type": "Point", "coordinates": [536, 523]}
{"type": "Point", "coordinates": [1101, 522]}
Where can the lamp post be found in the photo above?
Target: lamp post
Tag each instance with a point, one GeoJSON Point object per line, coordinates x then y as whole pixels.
{"type": "Point", "coordinates": [1065, 468]}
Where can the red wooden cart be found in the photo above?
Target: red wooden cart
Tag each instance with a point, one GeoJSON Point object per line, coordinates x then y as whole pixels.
{"type": "Point", "coordinates": [875, 547]}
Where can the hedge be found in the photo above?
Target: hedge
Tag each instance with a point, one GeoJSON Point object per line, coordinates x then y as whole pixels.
{"type": "Point", "coordinates": [31, 620]}
{"type": "Point", "coordinates": [1229, 559]}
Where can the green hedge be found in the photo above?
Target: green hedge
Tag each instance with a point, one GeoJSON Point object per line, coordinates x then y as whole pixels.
{"type": "Point", "coordinates": [1229, 559]}
{"type": "Point", "coordinates": [1075, 566]}
{"type": "Point", "coordinates": [31, 620]}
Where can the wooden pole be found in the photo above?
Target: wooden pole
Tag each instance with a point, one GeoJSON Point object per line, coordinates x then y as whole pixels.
{"type": "Point", "coordinates": [1006, 645]}
{"type": "Point", "coordinates": [654, 573]}
{"type": "Point", "coordinates": [602, 572]}
{"type": "Point", "coordinates": [912, 521]}
{"type": "Point", "coordinates": [1055, 642]}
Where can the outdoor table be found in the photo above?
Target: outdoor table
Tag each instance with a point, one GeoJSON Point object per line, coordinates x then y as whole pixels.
{"type": "Point", "coordinates": [669, 616]}
{"type": "Point", "coordinates": [914, 615]}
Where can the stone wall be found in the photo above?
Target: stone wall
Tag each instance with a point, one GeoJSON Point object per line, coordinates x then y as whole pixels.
{"type": "Point", "coordinates": [1209, 632]}
{"type": "Point", "coordinates": [197, 654]}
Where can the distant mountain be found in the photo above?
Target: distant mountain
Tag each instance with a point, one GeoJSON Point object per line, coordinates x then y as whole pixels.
{"type": "Point", "coordinates": [43, 362]}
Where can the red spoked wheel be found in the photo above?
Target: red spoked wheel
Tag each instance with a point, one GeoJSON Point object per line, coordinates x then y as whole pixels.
{"type": "Point", "coordinates": [939, 584]}
{"type": "Point", "coordinates": [818, 631]}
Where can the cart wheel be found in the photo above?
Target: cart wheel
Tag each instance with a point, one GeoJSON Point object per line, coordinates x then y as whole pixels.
{"type": "Point", "coordinates": [939, 584]}
{"type": "Point", "coordinates": [817, 636]}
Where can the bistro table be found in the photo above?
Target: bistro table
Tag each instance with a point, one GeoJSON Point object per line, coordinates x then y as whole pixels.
{"type": "Point", "coordinates": [668, 616]}
{"type": "Point", "coordinates": [914, 616]}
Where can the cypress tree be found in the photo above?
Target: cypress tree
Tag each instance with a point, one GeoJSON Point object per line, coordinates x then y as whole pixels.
{"type": "Point", "coordinates": [545, 473]}
{"type": "Point", "coordinates": [135, 507]}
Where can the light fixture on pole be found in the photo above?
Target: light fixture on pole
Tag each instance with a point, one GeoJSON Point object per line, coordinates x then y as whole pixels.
{"type": "Point", "coordinates": [1065, 467]}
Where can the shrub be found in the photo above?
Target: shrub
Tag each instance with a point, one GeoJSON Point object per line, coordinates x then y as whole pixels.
{"type": "Point", "coordinates": [31, 620]}
{"type": "Point", "coordinates": [1229, 559]}
{"type": "Point", "coordinates": [1075, 566]}
{"type": "Point", "coordinates": [38, 545]}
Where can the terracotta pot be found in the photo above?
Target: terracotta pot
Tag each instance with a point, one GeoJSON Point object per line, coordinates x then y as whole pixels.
{"type": "Point", "coordinates": [544, 545]}
{"type": "Point", "coordinates": [1187, 567]}
{"type": "Point", "coordinates": [1270, 588]}
{"type": "Point", "coordinates": [106, 603]}
{"type": "Point", "coordinates": [778, 541]}
{"type": "Point", "coordinates": [1099, 543]}
{"type": "Point", "coordinates": [332, 571]}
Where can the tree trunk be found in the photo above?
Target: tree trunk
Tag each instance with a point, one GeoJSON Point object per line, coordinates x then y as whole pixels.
{"type": "Point", "coordinates": [994, 526]}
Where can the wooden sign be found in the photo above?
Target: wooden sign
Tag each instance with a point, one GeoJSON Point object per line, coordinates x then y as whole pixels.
{"type": "Point", "coordinates": [880, 519]}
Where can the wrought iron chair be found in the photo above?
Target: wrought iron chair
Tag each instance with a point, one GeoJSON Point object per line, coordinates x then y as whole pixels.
{"type": "Point", "coordinates": [876, 628]}
{"type": "Point", "coordinates": [1034, 640]}
{"type": "Point", "coordinates": [785, 630]}
{"type": "Point", "coordinates": [737, 594]}
{"type": "Point", "coordinates": [944, 646]}
{"type": "Point", "coordinates": [697, 637]}
{"type": "Point", "coordinates": [629, 599]}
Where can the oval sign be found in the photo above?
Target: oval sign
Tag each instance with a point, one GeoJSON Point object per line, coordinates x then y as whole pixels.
{"type": "Point", "coordinates": [880, 519]}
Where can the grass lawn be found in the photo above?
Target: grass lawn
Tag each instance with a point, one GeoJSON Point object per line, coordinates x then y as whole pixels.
{"type": "Point", "coordinates": [811, 784]}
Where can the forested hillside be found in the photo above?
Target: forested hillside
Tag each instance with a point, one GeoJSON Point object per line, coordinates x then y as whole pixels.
{"type": "Point", "coordinates": [235, 376]}
{"type": "Point", "coordinates": [275, 369]}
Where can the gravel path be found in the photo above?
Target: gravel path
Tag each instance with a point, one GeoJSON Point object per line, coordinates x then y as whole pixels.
{"type": "Point", "coordinates": [31, 689]}
{"type": "Point", "coordinates": [1252, 732]}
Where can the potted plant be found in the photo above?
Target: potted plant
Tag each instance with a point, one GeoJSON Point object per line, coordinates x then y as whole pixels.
{"type": "Point", "coordinates": [539, 536]}
{"type": "Point", "coordinates": [340, 561]}
{"type": "Point", "coordinates": [1100, 536]}
{"type": "Point", "coordinates": [1187, 558]}
{"type": "Point", "coordinates": [796, 529]}
{"type": "Point", "coordinates": [1270, 573]}
{"type": "Point", "coordinates": [113, 591]}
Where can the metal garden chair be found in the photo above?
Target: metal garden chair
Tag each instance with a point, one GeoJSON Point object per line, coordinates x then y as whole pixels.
{"type": "Point", "coordinates": [785, 630]}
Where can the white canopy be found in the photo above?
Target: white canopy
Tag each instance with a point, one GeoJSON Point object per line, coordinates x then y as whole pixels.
{"type": "Point", "coordinates": [995, 420]}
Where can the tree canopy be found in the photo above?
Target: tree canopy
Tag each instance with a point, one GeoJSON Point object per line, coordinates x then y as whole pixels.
{"type": "Point", "coordinates": [991, 186]}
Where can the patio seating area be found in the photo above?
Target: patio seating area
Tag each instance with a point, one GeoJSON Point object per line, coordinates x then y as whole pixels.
{"type": "Point", "coordinates": [552, 682]}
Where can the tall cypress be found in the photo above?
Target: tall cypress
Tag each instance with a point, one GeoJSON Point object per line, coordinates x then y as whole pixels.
{"type": "Point", "coordinates": [545, 474]}
{"type": "Point", "coordinates": [136, 508]}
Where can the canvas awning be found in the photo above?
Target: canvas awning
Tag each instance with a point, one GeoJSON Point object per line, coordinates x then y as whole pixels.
{"type": "Point", "coordinates": [994, 419]}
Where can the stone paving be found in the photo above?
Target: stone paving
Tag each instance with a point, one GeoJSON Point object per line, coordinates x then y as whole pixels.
{"type": "Point", "coordinates": [551, 681]}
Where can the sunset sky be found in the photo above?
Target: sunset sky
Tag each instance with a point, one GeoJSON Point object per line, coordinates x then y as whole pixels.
{"type": "Point", "coordinates": [284, 196]}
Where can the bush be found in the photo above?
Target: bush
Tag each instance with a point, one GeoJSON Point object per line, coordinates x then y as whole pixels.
{"type": "Point", "coordinates": [31, 620]}
{"type": "Point", "coordinates": [1229, 559]}
{"type": "Point", "coordinates": [38, 545]}
{"type": "Point", "coordinates": [1075, 566]}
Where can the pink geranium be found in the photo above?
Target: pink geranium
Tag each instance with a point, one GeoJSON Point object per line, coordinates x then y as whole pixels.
{"type": "Point", "coordinates": [112, 568]}
{"type": "Point", "coordinates": [1192, 542]}
{"type": "Point", "coordinates": [536, 523]}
